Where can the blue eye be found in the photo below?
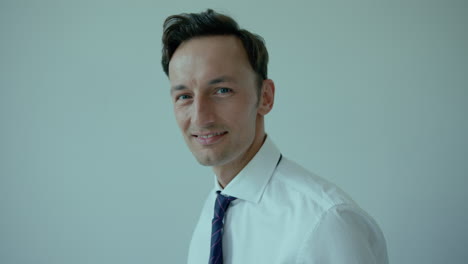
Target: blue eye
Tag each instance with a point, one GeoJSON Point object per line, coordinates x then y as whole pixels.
{"type": "Point", "coordinates": [224, 90]}
{"type": "Point", "coordinates": [183, 97]}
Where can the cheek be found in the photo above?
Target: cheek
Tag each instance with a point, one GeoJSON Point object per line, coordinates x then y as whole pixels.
{"type": "Point", "coordinates": [181, 117]}
{"type": "Point", "coordinates": [243, 115]}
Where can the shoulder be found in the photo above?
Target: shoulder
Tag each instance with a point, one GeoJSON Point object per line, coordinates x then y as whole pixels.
{"type": "Point", "coordinates": [293, 179]}
{"type": "Point", "coordinates": [340, 231]}
{"type": "Point", "coordinates": [345, 234]}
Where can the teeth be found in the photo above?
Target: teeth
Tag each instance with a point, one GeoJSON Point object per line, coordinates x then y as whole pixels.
{"type": "Point", "coordinates": [211, 135]}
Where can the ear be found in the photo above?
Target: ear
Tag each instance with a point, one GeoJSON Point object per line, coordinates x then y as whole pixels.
{"type": "Point", "coordinates": [267, 97]}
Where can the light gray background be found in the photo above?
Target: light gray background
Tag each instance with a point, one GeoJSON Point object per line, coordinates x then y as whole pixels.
{"type": "Point", "coordinates": [371, 95]}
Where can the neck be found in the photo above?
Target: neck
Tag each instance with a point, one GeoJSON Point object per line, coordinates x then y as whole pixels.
{"type": "Point", "coordinates": [228, 172]}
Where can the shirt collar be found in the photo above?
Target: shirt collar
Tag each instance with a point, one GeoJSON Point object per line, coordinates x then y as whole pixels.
{"type": "Point", "coordinates": [250, 182]}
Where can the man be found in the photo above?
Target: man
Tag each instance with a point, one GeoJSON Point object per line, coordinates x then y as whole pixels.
{"type": "Point", "coordinates": [264, 208]}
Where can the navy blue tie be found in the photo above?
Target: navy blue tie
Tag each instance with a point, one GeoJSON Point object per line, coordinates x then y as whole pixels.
{"type": "Point", "coordinates": [221, 205]}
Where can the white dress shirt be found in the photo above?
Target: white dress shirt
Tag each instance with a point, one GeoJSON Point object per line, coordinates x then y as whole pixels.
{"type": "Point", "coordinates": [285, 214]}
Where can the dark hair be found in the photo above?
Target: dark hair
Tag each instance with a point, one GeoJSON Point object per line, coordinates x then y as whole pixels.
{"type": "Point", "coordinates": [183, 27]}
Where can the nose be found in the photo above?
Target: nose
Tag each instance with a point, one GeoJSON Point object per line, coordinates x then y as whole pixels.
{"type": "Point", "coordinates": [203, 112]}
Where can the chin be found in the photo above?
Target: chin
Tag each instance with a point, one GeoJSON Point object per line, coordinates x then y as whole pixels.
{"type": "Point", "coordinates": [204, 162]}
{"type": "Point", "coordinates": [209, 161]}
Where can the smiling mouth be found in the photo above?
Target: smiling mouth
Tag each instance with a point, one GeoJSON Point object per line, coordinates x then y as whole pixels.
{"type": "Point", "coordinates": [209, 138]}
{"type": "Point", "coordinates": [206, 136]}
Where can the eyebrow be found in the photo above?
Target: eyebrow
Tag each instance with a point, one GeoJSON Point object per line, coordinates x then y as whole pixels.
{"type": "Point", "coordinates": [221, 79]}
{"type": "Point", "coordinates": [178, 88]}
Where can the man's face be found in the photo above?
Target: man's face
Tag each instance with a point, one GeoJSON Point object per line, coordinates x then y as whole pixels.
{"type": "Point", "coordinates": [214, 91]}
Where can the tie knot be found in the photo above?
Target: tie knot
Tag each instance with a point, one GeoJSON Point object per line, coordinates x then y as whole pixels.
{"type": "Point", "coordinates": [222, 203]}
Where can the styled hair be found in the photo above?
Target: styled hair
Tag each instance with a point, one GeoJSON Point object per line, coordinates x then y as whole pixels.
{"type": "Point", "coordinates": [183, 27]}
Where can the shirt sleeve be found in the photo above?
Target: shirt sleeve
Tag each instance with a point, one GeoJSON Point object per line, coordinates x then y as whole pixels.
{"type": "Point", "coordinates": [345, 234]}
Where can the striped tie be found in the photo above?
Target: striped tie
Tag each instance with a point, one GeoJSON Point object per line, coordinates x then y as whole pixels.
{"type": "Point", "coordinates": [221, 205]}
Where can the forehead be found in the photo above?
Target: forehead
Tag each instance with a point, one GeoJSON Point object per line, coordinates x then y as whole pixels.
{"type": "Point", "coordinates": [203, 57]}
{"type": "Point", "coordinates": [206, 45]}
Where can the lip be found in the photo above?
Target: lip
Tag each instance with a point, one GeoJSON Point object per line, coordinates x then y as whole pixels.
{"type": "Point", "coordinates": [210, 138]}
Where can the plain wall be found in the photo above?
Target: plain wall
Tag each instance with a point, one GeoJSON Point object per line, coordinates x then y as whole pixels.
{"type": "Point", "coordinates": [371, 95]}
